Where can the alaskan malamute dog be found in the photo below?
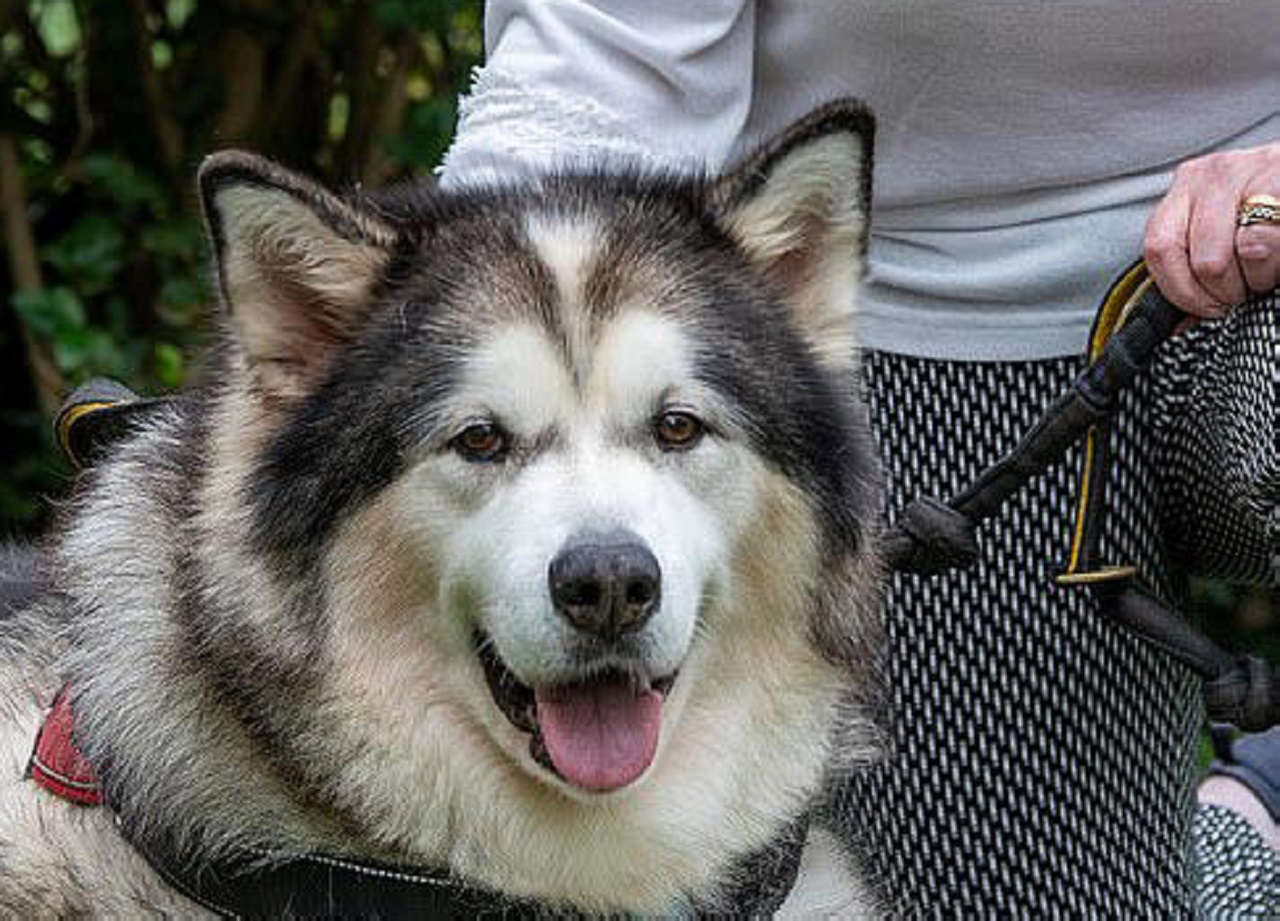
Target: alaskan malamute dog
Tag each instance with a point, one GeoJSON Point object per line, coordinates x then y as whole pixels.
{"type": "Point", "coordinates": [518, 544]}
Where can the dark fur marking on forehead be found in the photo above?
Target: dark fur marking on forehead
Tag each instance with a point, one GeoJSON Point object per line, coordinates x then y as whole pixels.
{"type": "Point", "coordinates": [469, 254]}
{"type": "Point", "coordinates": [653, 254]}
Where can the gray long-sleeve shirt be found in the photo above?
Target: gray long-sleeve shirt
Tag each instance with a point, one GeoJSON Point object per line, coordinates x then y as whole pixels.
{"type": "Point", "coordinates": [1021, 145]}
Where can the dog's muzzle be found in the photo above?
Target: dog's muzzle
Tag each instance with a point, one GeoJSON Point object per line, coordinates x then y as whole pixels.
{"type": "Point", "coordinates": [596, 725]}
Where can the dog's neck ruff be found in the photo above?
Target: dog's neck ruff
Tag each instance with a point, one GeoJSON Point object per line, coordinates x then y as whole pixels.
{"type": "Point", "coordinates": [318, 885]}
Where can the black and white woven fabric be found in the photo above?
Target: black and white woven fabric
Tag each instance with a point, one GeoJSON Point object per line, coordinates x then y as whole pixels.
{"type": "Point", "coordinates": [1043, 760]}
{"type": "Point", "coordinates": [1238, 872]}
{"type": "Point", "coordinates": [1218, 387]}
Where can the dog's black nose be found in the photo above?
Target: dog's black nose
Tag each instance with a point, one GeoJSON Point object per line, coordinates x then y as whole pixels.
{"type": "Point", "coordinates": [606, 585]}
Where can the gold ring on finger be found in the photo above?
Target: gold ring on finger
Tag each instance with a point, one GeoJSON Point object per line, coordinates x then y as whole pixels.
{"type": "Point", "coordinates": [1258, 209]}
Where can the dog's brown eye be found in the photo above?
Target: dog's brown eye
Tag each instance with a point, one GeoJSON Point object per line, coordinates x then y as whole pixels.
{"type": "Point", "coordinates": [480, 442]}
{"type": "Point", "coordinates": [677, 430]}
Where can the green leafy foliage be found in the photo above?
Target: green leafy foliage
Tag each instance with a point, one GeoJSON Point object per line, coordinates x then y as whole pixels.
{"type": "Point", "coordinates": [425, 137]}
{"type": "Point", "coordinates": [128, 226]}
{"type": "Point", "coordinates": [89, 255]}
{"type": "Point", "coordinates": [111, 106]}
{"type": "Point", "coordinates": [80, 349]}
{"type": "Point", "coordinates": [51, 311]}
{"type": "Point", "coordinates": [122, 183]}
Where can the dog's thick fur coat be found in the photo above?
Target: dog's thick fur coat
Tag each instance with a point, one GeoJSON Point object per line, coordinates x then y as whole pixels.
{"type": "Point", "coordinates": [274, 602]}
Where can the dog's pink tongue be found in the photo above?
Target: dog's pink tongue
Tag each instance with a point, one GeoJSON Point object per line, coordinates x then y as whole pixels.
{"type": "Point", "coordinates": [600, 735]}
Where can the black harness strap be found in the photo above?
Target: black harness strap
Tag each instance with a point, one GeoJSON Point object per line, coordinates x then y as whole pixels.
{"type": "Point", "coordinates": [321, 886]}
{"type": "Point", "coordinates": [315, 886]}
{"type": "Point", "coordinates": [96, 415]}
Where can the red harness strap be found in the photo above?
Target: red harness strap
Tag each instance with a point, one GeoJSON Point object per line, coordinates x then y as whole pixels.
{"type": "Point", "coordinates": [56, 764]}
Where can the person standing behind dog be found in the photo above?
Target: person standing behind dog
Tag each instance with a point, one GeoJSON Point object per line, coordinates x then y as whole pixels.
{"type": "Point", "coordinates": [1042, 762]}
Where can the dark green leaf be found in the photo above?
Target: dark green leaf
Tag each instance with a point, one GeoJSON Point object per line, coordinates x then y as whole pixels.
{"type": "Point", "coordinates": [89, 255]}
{"type": "Point", "coordinates": [177, 238]}
{"type": "Point", "coordinates": [169, 365]}
{"type": "Point", "coordinates": [51, 312]}
{"type": "Point", "coordinates": [182, 299]}
{"type": "Point", "coordinates": [87, 352]}
{"type": "Point", "coordinates": [120, 181]}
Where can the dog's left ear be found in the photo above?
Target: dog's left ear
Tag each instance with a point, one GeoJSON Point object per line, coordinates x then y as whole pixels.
{"type": "Point", "coordinates": [298, 267]}
{"type": "Point", "coordinates": [800, 209]}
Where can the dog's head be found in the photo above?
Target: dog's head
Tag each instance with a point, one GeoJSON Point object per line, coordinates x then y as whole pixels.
{"type": "Point", "coordinates": [570, 475]}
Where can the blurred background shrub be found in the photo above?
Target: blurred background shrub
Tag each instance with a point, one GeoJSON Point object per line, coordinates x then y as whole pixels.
{"type": "Point", "coordinates": [107, 107]}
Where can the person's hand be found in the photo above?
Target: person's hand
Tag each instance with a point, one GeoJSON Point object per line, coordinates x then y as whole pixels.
{"type": "Point", "coordinates": [1200, 254]}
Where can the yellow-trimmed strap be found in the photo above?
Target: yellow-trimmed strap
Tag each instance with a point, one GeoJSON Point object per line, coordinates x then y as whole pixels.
{"type": "Point", "coordinates": [91, 416]}
{"type": "Point", "coordinates": [1113, 312]}
{"type": "Point", "coordinates": [66, 422]}
{"type": "Point", "coordinates": [1124, 292]}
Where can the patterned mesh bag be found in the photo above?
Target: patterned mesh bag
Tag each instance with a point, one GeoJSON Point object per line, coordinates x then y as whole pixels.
{"type": "Point", "coordinates": [1216, 393]}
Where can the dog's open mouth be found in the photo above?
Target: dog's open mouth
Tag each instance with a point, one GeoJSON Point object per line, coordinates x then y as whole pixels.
{"type": "Point", "coordinates": [599, 734]}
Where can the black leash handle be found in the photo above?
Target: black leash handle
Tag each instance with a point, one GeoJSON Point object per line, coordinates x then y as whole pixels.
{"type": "Point", "coordinates": [934, 536]}
{"type": "Point", "coordinates": [1242, 690]}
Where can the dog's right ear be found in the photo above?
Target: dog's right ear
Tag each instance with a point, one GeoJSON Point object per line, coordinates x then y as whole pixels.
{"type": "Point", "coordinates": [297, 265]}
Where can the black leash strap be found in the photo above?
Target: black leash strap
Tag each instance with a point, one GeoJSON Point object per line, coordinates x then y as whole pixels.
{"type": "Point", "coordinates": [935, 536]}
{"type": "Point", "coordinates": [1242, 690]}
{"type": "Point", "coordinates": [932, 536]}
